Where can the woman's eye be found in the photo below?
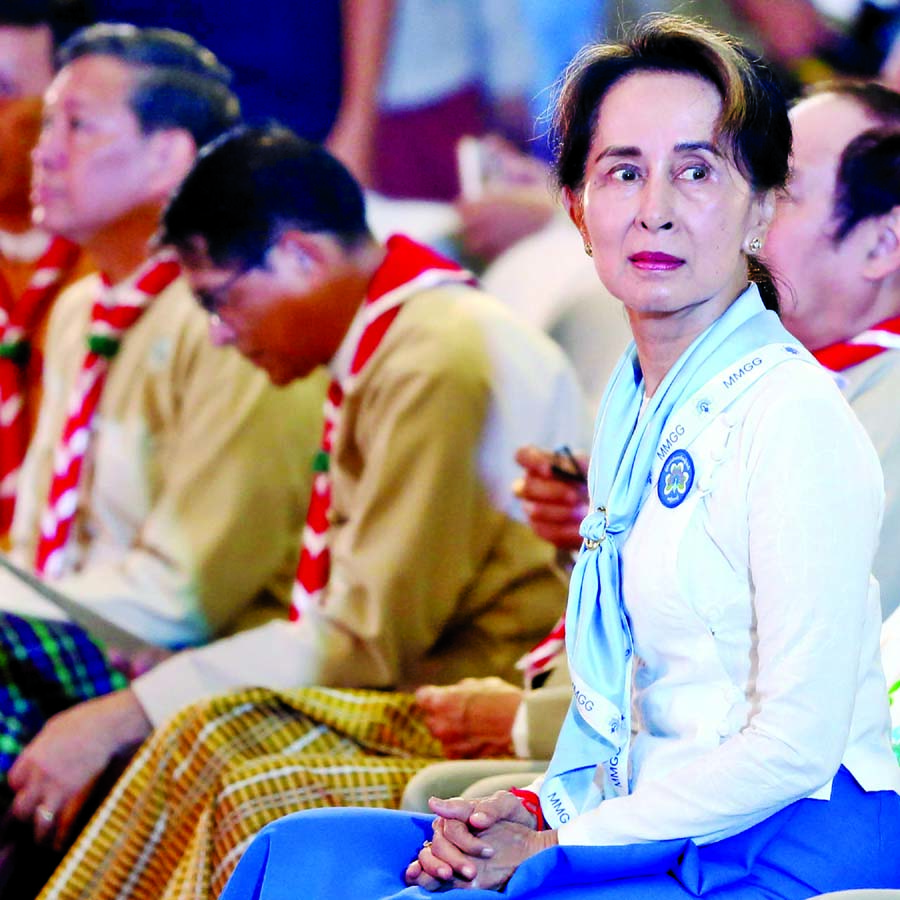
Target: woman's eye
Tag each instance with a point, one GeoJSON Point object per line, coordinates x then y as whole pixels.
{"type": "Point", "coordinates": [695, 173]}
{"type": "Point", "coordinates": [624, 174]}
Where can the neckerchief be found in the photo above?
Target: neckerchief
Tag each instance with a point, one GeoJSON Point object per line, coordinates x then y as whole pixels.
{"type": "Point", "coordinates": [116, 309]}
{"type": "Point", "coordinates": [407, 269]}
{"type": "Point", "coordinates": [625, 458]}
{"type": "Point", "coordinates": [18, 320]}
{"type": "Point", "coordinates": [875, 340]}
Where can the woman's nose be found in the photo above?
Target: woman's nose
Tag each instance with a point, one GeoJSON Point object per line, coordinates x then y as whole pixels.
{"type": "Point", "coordinates": [655, 212]}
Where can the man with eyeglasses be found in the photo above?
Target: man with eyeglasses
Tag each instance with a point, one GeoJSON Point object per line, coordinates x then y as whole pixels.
{"type": "Point", "coordinates": [416, 565]}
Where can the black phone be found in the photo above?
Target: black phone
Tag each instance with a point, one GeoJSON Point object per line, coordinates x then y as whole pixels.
{"type": "Point", "coordinates": [566, 468]}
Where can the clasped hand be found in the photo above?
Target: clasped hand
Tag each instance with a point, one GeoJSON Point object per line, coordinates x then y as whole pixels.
{"type": "Point", "coordinates": [477, 843]}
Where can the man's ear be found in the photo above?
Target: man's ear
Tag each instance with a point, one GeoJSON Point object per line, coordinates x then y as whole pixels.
{"type": "Point", "coordinates": [173, 151]}
{"type": "Point", "coordinates": [883, 254]}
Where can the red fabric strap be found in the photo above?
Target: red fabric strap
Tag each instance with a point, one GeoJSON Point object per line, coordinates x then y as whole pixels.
{"type": "Point", "coordinates": [532, 804]}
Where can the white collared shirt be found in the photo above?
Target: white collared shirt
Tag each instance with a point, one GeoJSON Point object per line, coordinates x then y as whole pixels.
{"type": "Point", "coordinates": [756, 623]}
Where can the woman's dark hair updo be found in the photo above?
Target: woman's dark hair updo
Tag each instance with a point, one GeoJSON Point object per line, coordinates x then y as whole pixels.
{"type": "Point", "coordinates": [753, 126]}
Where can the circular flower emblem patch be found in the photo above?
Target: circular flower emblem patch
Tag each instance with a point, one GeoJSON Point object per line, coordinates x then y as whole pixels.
{"type": "Point", "coordinates": [675, 479]}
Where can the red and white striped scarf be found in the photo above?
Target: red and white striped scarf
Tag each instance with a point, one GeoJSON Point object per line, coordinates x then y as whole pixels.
{"type": "Point", "coordinates": [113, 313]}
{"type": "Point", "coordinates": [18, 320]}
{"type": "Point", "coordinates": [407, 269]}
{"type": "Point", "coordinates": [875, 340]}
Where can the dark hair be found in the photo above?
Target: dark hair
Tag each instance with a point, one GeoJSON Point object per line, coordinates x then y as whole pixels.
{"type": "Point", "coordinates": [179, 84]}
{"type": "Point", "coordinates": [868, 179]}
{"type": "Point", "coordinates": [62, 17]}
{"type": "Point", "coordinates": [753, 123]}
{"type": "Point", "coordinates": [247, 187]}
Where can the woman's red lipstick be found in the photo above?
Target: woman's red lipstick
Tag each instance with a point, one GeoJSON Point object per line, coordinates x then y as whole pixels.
{"type": "Point", "coordinates": [656, 262]}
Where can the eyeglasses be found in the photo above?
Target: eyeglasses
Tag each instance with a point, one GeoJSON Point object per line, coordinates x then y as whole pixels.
{"type": "Point", "coordinates": [213, 299]}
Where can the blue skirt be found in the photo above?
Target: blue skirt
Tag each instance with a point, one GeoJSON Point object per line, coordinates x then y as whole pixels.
{"type": "Point", "coordinates": [810, 847]}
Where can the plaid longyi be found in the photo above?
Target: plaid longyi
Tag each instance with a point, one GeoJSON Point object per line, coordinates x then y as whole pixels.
{"type": "Point", "coordinates": [45, 667]}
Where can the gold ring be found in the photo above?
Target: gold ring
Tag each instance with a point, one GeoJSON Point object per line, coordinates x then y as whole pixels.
{"type": "Point", "coordinates": [45, 814]}
{"type": "Point", "coordinates": [426, 844]}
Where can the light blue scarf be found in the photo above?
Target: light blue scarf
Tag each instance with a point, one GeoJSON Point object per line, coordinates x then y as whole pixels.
{"type": "Point", "coordinates": [597, 728]}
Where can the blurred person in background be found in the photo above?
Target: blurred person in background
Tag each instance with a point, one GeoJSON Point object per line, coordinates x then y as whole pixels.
{"type": "Point", "coordinates": [34, 265]}
{"type": "Point", "coordinates": [314, 66]}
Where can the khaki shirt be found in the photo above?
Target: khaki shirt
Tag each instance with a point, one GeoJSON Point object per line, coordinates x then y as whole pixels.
{"type": "Point", "coordinates": [435, 576]}
{"type": "Point", "coordinates": [196, 481]}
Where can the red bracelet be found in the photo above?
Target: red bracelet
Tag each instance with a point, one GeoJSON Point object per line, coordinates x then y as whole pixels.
{"type": "Point", "coordinates": [532, 803]}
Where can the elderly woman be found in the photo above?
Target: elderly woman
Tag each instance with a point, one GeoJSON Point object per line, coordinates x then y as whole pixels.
{"type": "Point", "coordinates": [728, 733]}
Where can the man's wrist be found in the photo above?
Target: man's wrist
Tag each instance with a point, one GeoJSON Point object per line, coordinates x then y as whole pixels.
{"type": "Point", "coordinates": [130, 724]}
